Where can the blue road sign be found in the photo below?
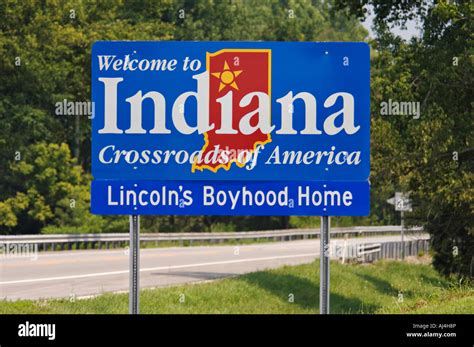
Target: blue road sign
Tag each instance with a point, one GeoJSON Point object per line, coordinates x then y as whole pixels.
{"type": "Point", "coordinates": [230, 198]}
{"type": "Point", "coordinates": [230, 115]}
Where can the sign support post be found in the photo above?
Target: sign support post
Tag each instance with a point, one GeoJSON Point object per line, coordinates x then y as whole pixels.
{"type": "Point", "coordinates": [403, 234]}
{"type": "Point", "coordinates": [402, 203]}
{"type": "Point", "coordinates": [324, 267]}
{"type": "Point", "coordinates": [134, 264]}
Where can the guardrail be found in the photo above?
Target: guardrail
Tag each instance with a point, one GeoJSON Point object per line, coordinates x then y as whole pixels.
{"type": "Point", "coordinates": [115, 240]}
{"type": "Point", "coordinates": [369, 252]}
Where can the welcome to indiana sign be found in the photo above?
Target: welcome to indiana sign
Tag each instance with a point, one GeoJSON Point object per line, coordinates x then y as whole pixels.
{"type": "Point", "coordinates": [230, 128]}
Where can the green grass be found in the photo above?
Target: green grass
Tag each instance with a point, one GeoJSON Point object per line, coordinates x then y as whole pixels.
{"type": "Point", "coordinates": [372, 288]}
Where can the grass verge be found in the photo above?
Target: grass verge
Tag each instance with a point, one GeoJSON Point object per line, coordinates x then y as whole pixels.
{"type": "Point", "coordinates": [381, 287]}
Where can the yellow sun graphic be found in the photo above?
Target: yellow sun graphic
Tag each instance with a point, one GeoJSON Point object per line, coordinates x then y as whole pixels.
{"type": "Point", "coordinates": [227, 77]}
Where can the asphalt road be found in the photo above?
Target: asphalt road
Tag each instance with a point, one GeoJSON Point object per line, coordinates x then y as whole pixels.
{"type": "Point", "coordinates": [91, 272]}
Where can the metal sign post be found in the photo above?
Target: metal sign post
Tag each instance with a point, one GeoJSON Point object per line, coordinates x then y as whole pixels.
{"type": "Point", "coordinates": [324, 267]}
{"type": "Point", "coordinates": [134, 264]}
{"type": "Point", "coordinates": [403, 235]}
{"type": "Point", "coordinates": [402, 203]}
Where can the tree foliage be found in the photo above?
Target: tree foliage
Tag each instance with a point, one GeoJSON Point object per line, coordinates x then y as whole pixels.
{"type": "Point", "coordinates": [432, 157]}
{"type": "Point", "coordinates": [45, 58]}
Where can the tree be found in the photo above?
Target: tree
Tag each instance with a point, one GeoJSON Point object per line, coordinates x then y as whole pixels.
{"type": "Point", "coordinates": [431, 156]}
{"type": "Point", "coordinates": [48, 184]}
{"type": "Point", "coordinates": [45, 58]}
